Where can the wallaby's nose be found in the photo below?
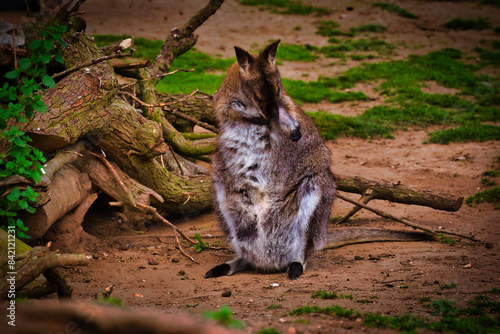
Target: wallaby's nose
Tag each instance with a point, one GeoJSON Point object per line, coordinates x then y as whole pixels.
{"type": "Point", "coordinates": [295, 135]}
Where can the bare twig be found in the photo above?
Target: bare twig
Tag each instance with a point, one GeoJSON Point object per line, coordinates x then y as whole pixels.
{"type": "Point", "coordinates": [174, 228]}
{"type": "Point", "coordinates": [118, 179]}
{"type": "Point", "coordinates": [156, 76]}
{"type": "Point", "coordinates": [95, 61]}
{"type": "Point", "coordinates": [175, 158]}
{"type": "Point", "coordinates": [365, 198]}
{"type": "Point", "coordinates": [173, 112]}
{"type": "Point", "coordinates": [402, 220]}
{"type": "Point", "coordinates": [192, 120]}
{"type": "Point", "coordinates": [181, 249]}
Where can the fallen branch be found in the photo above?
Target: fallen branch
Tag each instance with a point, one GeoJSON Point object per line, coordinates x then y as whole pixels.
{"type": "Point", "coordinates": [402, 220]}
{"type": "Point", "coordinates": [38, 261]}
{"type": "Point", "coordinates": [398, 193]}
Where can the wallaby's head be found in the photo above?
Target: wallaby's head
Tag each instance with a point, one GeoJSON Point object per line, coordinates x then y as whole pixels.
{"type": "Point", "coordinates": [253, 91]}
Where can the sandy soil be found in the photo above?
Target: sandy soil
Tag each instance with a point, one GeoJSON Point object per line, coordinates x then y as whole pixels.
{"type": "Point", "coordinates": [392, 276]}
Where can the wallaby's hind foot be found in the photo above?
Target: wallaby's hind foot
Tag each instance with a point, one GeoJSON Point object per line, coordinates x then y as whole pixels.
{"type": "Point", "coordinates": [220, 270]}
{"type": "Point", "coordinates": [295, 270]}
{"type": "Point", "coordinates": [228, 268]}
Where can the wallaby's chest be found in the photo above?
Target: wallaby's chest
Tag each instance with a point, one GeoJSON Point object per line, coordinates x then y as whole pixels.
{"type": "Point", "coordinates": [251, 157]}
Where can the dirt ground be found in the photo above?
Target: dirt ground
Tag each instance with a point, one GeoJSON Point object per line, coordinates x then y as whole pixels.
{"type": "Point", "coordinates": [391, 276]}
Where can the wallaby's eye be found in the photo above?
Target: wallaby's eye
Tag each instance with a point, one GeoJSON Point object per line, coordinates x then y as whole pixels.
{"type": "Point", "coordinates": [256, 97]}
{"type": "Point", "coordinates": [238, 105]}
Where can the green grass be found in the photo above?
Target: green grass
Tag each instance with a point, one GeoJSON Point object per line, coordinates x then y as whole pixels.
{"type": "Point", "coordinates": [294, 7]}
{"type": "Point", "coordinates": [481, 316]}
{"type": "Point", "coordinates": [323, 294]}
{"type": "Point", "coordinates": [491, 195]}
{"type": "Point", "coordinates": [371, 27]}
{"type": "Point", "coordinates": [224, 317]}
{"type": "Point", "coordinates": [111, 301]}
{"type": "Point", "coordinates": [274, 307]}
{"type": "Point", "coordinates": [448, 286]}
{"type": "Point", "coordinates": [487, 182]}
{"type": "Point", "coordinates": [466, 133]}
{"type": "Point", "coordinates": [356, 45]}
{"type": "Point", "coordinates": [445, 240]}
{"type": "Point", "coordinates": [332, 126]}
{"type": "Point", "coordinates": [392, 8]}
{"type": "Point", "coordinates": [467, 24]}
{"type": "Point", "coordinates": [203, 77]}
{"type": "Point", "coordinates": [488, 57]}
{"type": "Point", "coordinates": [327, 28]}
{"type": "Point", "coordinates": [295, 52]}
{"type": "Point", "coordinates": [492, 173]}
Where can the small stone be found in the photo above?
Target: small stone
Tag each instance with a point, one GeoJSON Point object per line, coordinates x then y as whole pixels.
{"type": "Point", "coordinates": [291, 330]}
{"type": "Point", "coordinates": [274, 285]}
{"type": "Point", "coordinates": [226, 293]}
{"type": "Point", "coordinates": [152, 262]}
{"type": "Point", "coordinates": [95, 256]}
{"type": "Point", "coordinates": [468, 265]}
{"type": "Point", "coordinates": [138, 295]}
{"type": "Point", "coordinates": [282, 320]}
{"type": "Point", "coordinates": [175, 260]}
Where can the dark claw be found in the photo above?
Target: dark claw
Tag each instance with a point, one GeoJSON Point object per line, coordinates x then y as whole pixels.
{"type": "Point", "coordinates": [220, 270]}
{"type": "Point", "coordinates": [295, 270]}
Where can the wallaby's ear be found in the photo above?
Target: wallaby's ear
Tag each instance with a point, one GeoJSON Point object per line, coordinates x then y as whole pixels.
{"type": "Point", "coordinates": [269, 52]}
{"type": "Point", "coordinates": [243, 57]}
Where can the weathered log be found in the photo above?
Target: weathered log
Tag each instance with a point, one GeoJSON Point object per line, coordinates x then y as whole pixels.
{"type": "Point", "coordinates": [398, 193]}
{"type": "Point", "coordinates": [101, 176]}
{"type": "Point", "coordinates": [92, 319]}
{"type": "Point", "coordinates": [68, 188]}
{"type": "Point", "coordinates": [67, 233]}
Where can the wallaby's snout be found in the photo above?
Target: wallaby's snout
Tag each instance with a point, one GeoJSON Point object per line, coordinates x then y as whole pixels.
{"type": "Point", "coordinates": [290, 124]}
{"type": "Point", "coordinates": [296, 135]}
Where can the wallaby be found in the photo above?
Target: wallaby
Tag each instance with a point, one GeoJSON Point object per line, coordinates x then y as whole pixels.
{"type": "Point", "coordinates": [273, 188]}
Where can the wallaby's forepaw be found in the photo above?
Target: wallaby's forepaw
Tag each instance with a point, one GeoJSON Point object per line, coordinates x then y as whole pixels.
{"type": "Point", "coordinates": [220, 270]}
{"type": "Point", "coordinates": [295, 270]}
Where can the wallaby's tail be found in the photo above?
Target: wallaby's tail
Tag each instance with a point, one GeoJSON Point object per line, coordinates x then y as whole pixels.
{"type": "Point", "coordinates": [339, 237]}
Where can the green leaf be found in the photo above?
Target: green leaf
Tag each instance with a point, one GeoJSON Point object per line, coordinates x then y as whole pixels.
{"type": "Point", "coordinates": [48, 45]}
{"type": "Point", "coordinates": [35, 45]}
{"type": "Point", "coordinates": [48, 81]}
{"type": "Point", "coordinates": [13, 74]}
{"type": "Point", "coordinates": [58, 57]}
{"type": "Point", "coordinates": [40, 106]}
{"type": "Point", "coordinates": [13, 196]}
{"type": "Point", "coordinates": [24, 64]}
{"type": "Point", "coordinates": [45, 57]}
